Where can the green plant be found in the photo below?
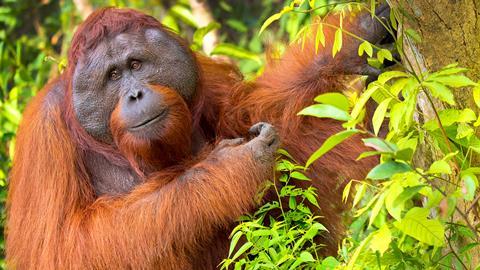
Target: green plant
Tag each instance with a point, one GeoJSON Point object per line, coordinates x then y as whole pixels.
{"type": "Point", "coordinates": [405, 216]}
{"type": "Point", "coordinates": [278, 236]}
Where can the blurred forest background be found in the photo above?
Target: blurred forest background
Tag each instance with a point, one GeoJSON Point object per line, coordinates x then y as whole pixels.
{"type": "Point", "coordinates": [35, 36]}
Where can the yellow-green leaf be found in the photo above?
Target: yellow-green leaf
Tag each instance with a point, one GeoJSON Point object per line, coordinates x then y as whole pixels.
{"type": "Point", "coordinates": [440, 166]}
{"type": "Point", "coordinates": [337, 42]}
{"type": "Point", "coordinates": [329, 143]}
{"type": "Point", "coordinates": [319, 37]}
{"type": "Point", "coordinates": [416, 225]}
{"type": "Point", "coordinates": [363, 100]}
{"type": "Point", "coordinates": [381, 240]}
{"type": "Point", "coordinates": [379, 115]}
{"type": "Point", "coordinates": [365, 47]}
{"type": "Point", "coordinates": [325, 111]}
{"type": "Point", "coordinates": [274, 17]}
{"type": "Point", "coordinates": [441, 92]}
{"type": "Point", "coordinates": [336, 99]}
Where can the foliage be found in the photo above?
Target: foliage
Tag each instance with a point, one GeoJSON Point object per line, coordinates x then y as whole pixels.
{"type": "Point", "coordinates": [405, 216]}
{"type": "Point", "coordinates": [277, 236]}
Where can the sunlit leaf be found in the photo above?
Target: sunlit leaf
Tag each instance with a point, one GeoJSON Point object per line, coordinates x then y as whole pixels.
{"type": "Point", "coordinates": [379, 115]}
{"type": "Point", "coordinates": [360, 104]}
{"type": "Point", "coordinates": [365, 47]}
{"type": "Point", "coordinates": [337, 42]}
{"type": "Point", "coordinates": [416, 225]}
{"type": "Point", "coordinates": [234, 51]}
{"type": "Point", "coordinates": [336, 99]}
{"type": "Point", "coordinates": [376, 209]}
{"type": "Point", "coordinates": [184, 14]}
{"type": "Point", "coordinates": [274, 17]}
{"type": "Point", "coordinates": [329, 143]}
{"type": "Point", "coordinates": [455, 81]}
{"type": "Point", "coordinates": [441, 92]}
{"type": "Point", "coordinates": [383, 54]}
{"type": "Point", "coordinates": [325, 111]}
{"type": "Point", "coordinates": [361, 189]}
{"type": "Point", "coordinates": [381, 240]}
{"type": "Point", "coordinates": [441, 167]}
{"type": "Point", "coordinates": [388, 75]}
{"type": "Point", "coordinates": [319, 37]}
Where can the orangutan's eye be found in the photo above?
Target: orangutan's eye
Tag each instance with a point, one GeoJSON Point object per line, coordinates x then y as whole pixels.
{"type": "Point", "coordinates": [115, 75]}
{"type": "Point", "coordinates": [135, 65]}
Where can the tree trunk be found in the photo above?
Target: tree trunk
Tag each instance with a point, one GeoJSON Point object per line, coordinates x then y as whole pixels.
{"type": "Point", "coordinates": [450, 33]}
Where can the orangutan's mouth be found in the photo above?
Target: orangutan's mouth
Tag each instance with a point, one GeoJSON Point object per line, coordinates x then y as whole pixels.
{"type": "Point", "coordinates": [161, 115]}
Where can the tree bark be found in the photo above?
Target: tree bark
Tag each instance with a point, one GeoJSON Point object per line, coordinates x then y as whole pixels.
{"type": "Point", "coordinates": [450, 33]}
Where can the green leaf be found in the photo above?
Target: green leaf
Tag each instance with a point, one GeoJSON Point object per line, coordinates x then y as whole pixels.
{"type": "Point", "coordinates": [360, 104]}
{"type": "Point", "coordinates": [448, 71]}
{"type": "Point", "coordinates": [325, 111]}
{"type": "Point", "coordinates": [379, 115]}
{"type": "Point", "coordinates": [336, 99]}
{"type": "Point", "coordinates": [381, 240]}
{"type": "Point", "coordinates": [329, 143]}
{"type": "Point", "coordinates": [455, 81]}
{"type": "Point", "coordinates": [356, 254]}
{"type": "Point", "coordinates": [234, 241]}
{"type": "Point", "coordinates": [203, 31]}
{"type": "Point", "coordinates": [476, 95]}
{"type": "Point", "coordinates": [346, 192]}
{"type": "Point", "coordinates": [376, 209]}
{"type": "Point", "coordinates": [416, 225]}
{"type": "Point", "coordinates": [407, 194]}
{"type": "Point", "coordinates": [383, 54]}
{"type": "Point", "coordinates": [184, 14]}
{"type": "Point", "coordinates": [387, 169]}
{"type": "Point", "coordinates": [337, 42]}
{"type": "Point", "coordinates": [440, 167]}
{"type": "Point", "coordinates": [398, 85]}
{"type": "Point", "coordinates": [441, 92]}
{"type": "Point", "coordinates": [464, 130]}
{"type": "Point", "coordinates": [274, 17]}
{"type": "Point", "coordinates": [380, 145]}
{"type": "Point", "coordinates": [311, 198]}
{"type": "Point", "coordinates": [234, 51]}
{"type": "Point", "coordinates": [359, 194]}
{"type": "Point", "coordinates": [242, 250]}
{"type": "Point", "coordinates": [388, 75]}
{"type": "Point", "coordinates": [397, 115]}
{"type": "Point", "coordinates": [414, 35]}
{"type": "Point", "coordinates": [369, 154]}
{"type": "Point", "coordinates": [365, 47]}
{"type": "Point", "coordinates": [299, 176]}
{"type": "Point", "coordinates": [292, 202]}
{"type": "Point", "coordinates": [395, 210]}
{"type": "Point", "coordinates": [306, 256]}
{"type": "Point", "coordinates": [170, 22]}
{"type": "Point", "coordinates": [319, 37]}
{"type": "Point", "coordinates": [329, 263]}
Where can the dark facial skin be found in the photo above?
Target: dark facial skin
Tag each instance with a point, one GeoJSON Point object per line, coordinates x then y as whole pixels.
{"type": "Point", "coordinates": [120, 69]}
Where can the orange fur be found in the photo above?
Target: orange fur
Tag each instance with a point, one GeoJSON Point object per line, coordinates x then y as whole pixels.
{"type": "Point", "coordinates": [180, 216]}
